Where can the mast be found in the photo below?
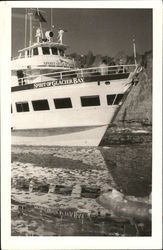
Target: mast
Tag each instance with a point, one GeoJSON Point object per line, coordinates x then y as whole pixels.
{"type": "Point", "coordinates": [134, 48]}
{"type": "Point", "coordinates": [25, 39]}
{"type": "Point", "coordinates": [30, 29]}
{"type": "Point", "coordinates": [42, 36]}
{"type": "Point", "coordinates": [51, 17]}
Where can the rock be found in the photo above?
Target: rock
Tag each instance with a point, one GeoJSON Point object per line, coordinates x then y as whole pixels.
{"type": "Point", "coordinates": [52, 188]}
{"type": "Point", "coordinates": [76, 192]}
{"type": "Point", "coordinates": [31, 185]}
{"type": "Point", "coordinates": [105, 188]}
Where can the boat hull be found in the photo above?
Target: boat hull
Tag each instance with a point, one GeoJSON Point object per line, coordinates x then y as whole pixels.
{"type": "Point", "coordinates": [74, 126]}
{"type": "Point", "coordinates": [72, 136]}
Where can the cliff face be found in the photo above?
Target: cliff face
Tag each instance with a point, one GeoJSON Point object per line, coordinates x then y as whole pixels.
{"type": "Point", "coordinates": [138, 104]}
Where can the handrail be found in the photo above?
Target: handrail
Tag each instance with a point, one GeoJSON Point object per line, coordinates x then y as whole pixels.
{"type": "Point", "coordinates": [55, 63]}
{"type": "Point", "coordinates": [84, 72]}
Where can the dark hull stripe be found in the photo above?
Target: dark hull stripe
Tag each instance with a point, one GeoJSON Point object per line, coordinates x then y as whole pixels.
{"type": "Point", "coordinates": [86, 79]}
{"type": "Point", "coordinates": [43, 132]}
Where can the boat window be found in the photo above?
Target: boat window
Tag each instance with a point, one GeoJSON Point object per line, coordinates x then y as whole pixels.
{"type": "Point", "coordinates": [110, 99]}
{"type": "Point", "coordinates": [118, 99]}
{"type": "Point", "coordinates": [62, 103]}
{"type": "Point", "coordinates": [54, 51]}
{"type": "Point", "coordinates": [11, 109]}
{"type": "Point", "coordinates": [90, 100]}
{"type": "Point", "coordinates": [61, 52]}
{"type": "Point", "coordinates": [22, 107]}
{"type": "Point", "coordinates": [40, 105]}
{"type": "Point", "coordinates": [45, 51]}
{"type": "Point", "coordinates": [20, 75]}
{"type": "Point", "coordinates": [35, 51]}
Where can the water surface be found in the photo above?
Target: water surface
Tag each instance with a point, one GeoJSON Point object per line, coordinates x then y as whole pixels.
{"type": "Point", "coordinates": [38, 210]}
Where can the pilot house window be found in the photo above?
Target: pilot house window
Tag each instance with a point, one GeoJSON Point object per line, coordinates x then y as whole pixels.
{"type": "Point", "coordinates": [61, 52]}
{"type": "Point", "coordinates": [22, 107]}
{"type": "Point", "coordinates": [54, 51]}
{"type": "Point", "coordinates": [35, 51]}
{"type": "Point", "coordinates": [62, 103]}
{"type": "Point", "coordinates": [90, 100]}
{"type": "Point", "coordinates": [45, 51]}
{"type": "Point", "coordinates": [40, 105]}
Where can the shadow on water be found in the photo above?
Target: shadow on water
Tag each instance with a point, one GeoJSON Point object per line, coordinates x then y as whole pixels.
{"type": "Point", "coordinates": [130, 167]}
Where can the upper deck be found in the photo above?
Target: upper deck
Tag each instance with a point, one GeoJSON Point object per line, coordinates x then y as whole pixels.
{"type": "Point", "coordinates": [43, 48]}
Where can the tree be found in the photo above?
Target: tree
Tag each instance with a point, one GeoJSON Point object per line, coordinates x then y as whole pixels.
{"type": "Point", "coordinates": [120, 57]}
{"type": "Point", "coordinates": [90, 59]}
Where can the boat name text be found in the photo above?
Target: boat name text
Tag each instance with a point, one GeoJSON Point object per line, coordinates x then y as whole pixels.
{"type": "Point", "coordinates": [58, 82]}
{"type": "Point", "coordinates": [59, 63]}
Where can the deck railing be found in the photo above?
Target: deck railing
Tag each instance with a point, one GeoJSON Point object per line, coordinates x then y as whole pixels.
{"type": "Point", "coordinates": [19, 57]}
{"type": "Point", "coordinates": [29, 56]}
{"type": "Point", "coordinates": [80, 73]}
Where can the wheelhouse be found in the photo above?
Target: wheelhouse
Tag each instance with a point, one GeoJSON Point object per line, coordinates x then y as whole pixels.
{"type": "Point", "coordinates": [41, 49]}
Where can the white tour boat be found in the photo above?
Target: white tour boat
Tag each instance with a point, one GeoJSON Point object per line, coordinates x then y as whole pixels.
{"type": "Point", "coordinates": [55, 103]}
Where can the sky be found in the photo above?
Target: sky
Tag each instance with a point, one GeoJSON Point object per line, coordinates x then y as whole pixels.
{"type": "Point", "coordinates": [103, 31]}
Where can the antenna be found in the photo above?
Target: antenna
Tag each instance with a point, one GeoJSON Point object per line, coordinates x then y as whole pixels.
{"type": "Point", "coordinates": [134, 48]}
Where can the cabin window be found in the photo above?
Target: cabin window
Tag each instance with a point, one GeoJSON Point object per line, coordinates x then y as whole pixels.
{"type": "Point", "coordinates": [45, 51]}
{"type": "Point", "coordinates": [20, 75]}
{"type": "Point", "coordinates": [40, 105]}
{"type": "Point", "coordinates": [22, 107]}
{"type": "Point", "coordinates": [62, 103]}
{"type": "Point", "coordinates": [11, 109]}
{"type": "Point", "coordinates": [90, 100]}
{"type": "Point", "coordinates": [110, 99]}
{"type": "Point", "coordinates": [61, 52]}
{"type": "Point", "coordinates": [35, 51]}
{"type": "Point", "coordinates": [54, 51]}
{"type": "Point", "coordinates": [118, 99]}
